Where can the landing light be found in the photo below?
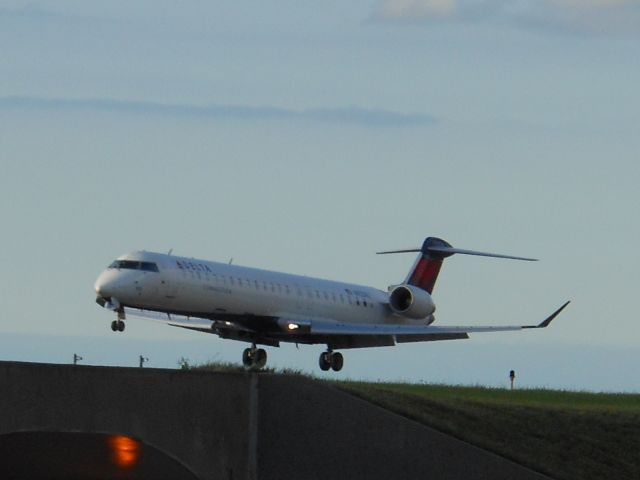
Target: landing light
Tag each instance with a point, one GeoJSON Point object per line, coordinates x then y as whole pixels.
{"type": "Point", "coordinates": [293, 326]}
{"type": "Point", "coordinates": [124, 450]}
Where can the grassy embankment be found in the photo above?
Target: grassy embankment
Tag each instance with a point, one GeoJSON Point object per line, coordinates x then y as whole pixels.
{"type": "Point", "coordinates": [566, 435]}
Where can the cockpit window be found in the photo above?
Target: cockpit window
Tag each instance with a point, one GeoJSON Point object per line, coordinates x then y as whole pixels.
{"type": "Point", "coordinates": [133, 265]}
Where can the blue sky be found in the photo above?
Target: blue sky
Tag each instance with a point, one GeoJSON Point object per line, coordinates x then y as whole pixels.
{"type": "Point", "coordinates": [304, 137]}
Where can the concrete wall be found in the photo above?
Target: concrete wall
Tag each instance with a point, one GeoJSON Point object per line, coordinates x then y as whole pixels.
{"type": "Point", "coordinates": [198, 419]}
{"type": "Point", "coordinates": [235, 426]}
{"type": "Point", "coordinates": [308, 430]}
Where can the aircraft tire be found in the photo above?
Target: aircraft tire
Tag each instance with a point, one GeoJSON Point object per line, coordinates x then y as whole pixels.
{"type": "Point", "coordinates": [247, 358]}
{"type": "Point", "coordinates": [325, 361]}
{"type": "Point", "coordinates": [337, 361]}
{"type": "Point", "coordinates": [120, 326]}
{"type": "Point", "coordinates": [260, 358]}
{"type": "Point", "coordinates": [114, 326]}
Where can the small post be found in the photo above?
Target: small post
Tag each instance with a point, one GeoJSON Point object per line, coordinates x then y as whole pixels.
{"type": "Point", "coordinates": [512, 377]}
{"type": "Point", "coordinates": [76, 358]}
{"type": "Point", "coordinates": [143, 360]}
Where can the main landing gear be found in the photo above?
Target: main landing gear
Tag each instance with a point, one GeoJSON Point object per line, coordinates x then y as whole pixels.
{"type": "Point", "coordinates": [331, 360]}
{"type": "Point", "coordinates": [118, 325]}
{"type": "Point", "coordinates": [254, 357]}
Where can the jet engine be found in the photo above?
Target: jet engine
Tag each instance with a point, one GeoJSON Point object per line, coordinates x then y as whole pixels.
{"type": "Point", "coordinates": [411, 302]}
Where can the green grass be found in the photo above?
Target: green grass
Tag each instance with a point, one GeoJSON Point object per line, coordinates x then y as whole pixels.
{"type": "Point", "coordinates": [566, 435]}
{"type": "Point", "coordinates": [218, 366]}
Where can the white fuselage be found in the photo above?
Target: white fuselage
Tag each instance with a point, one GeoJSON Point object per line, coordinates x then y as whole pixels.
{"type": "Point", "coordinates": [203, 288]}
{"type": "Point", "coordinates": [262, 307]}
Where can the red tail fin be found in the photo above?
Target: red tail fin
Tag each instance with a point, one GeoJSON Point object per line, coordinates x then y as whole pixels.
{"type": "Point", "coordinates": [433, 251]}
{"type": "Point", "coordinates": [427, 267]}
{"type": "Point", "coordinates": [425, 272]}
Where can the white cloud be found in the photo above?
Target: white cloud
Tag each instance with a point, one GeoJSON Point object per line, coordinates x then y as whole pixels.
{"type": "Point", "coordinates": [400, 9]}
{"type": "Point", "coordinates": [580, 16]}
{"type": "Point", "coordinates": [590, 3]}
{"type": "Point", "coordinates": [365, 117]}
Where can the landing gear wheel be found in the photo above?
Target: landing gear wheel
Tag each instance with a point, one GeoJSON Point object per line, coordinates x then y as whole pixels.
{"type": "Point", "coordinates": [120, 326]}
{"type": "Point", "coordinates": [247, 358]}
{"type": "Point", "coordinates": [260, 358]}
{"type": "Point", "coordinates": [337, 361]}
{"type": "Point", "coordinates": [325, 361]}
{"type": "Point", "coordinates": [253, 358]}
{"type": "Point", "coordinates": [114, 326]}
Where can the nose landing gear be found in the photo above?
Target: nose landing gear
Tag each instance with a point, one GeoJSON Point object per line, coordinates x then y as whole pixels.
{"type": "Point", "coordinates": [254, 358]}
{"type": "Point", "coordinates": [118, 325]}
{"type": "Point", "coordinates": [331, 360]}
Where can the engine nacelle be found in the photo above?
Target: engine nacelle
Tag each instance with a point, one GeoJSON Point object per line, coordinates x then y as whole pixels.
{"type": "Point", "coordinates": [411, 302]}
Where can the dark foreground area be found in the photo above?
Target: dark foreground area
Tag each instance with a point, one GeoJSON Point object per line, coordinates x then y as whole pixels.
{"type": "Point", "coordinates": [80, 422]}
{"type": "Point", "coordinates": [566, 435]}
{"type": "Point", "coordinates": [79, 456]}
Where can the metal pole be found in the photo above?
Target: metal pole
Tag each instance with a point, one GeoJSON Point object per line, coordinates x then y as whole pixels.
{"type": "Point", "coordinates": [143, 360]}
{"type": "Point", "coordinates": [76, 358]}
{"type": "Point", "coordinates": [512, 377]}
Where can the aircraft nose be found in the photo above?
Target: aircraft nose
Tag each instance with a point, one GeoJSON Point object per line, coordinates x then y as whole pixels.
{"type": "Point", "coordinates": [106, 284]}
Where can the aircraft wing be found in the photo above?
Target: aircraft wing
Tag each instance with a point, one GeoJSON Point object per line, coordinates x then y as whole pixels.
{"type": "Point", "coordinates": [322, 327]}
{"type": "Point", "coordinates": [192, 323]}
{"type": "Point", "coordinates": [199, 324]}
{"type": "Point", "coordinates": [319, 330]}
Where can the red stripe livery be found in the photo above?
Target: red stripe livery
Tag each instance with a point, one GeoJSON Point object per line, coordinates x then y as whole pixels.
{"type": "Point", "coordinates": [425, 273]}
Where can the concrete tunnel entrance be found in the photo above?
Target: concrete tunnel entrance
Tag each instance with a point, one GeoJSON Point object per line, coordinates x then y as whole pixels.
{"type": "Point", "coordinates": [83, 456]}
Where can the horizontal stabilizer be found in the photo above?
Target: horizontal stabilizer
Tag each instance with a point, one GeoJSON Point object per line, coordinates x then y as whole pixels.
{"type": "Point", "coordinates": [451, 251]}
{"type": "Point", "coordinates": [407, 250]}
{"type": "Point", "coordinates": [438, 248]}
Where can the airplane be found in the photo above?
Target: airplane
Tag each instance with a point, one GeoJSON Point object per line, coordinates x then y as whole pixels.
{"type": "Point", "coordinates": [263, 307]}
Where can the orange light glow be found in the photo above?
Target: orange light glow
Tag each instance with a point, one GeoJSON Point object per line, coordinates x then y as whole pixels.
{"type": "Point", "coordinates": [125, 451]}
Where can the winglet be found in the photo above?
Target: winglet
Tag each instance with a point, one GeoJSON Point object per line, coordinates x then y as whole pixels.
{"type": "Point", "coordinates": [545, 323]}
